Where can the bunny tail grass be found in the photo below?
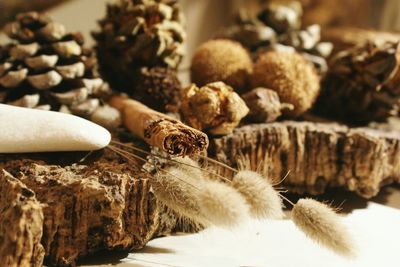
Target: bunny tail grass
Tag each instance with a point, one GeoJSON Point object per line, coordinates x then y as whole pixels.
{"type": "Point", "coordinates": [178, 191]}
{"type": "Point", "coordinates": [264, 201]}
{"type": "Point", "coordinates": [189, 166]}
{"type": "Point", "coordinates": [319, 222]}
{"type": "Point", "coordinates": [222, 204]}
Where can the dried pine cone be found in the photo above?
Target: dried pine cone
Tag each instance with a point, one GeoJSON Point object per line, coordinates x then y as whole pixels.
{"type": "Point", "coordinates": [158, 88]}
{"type": "Point", "coordinates": [48, 68]}
{"type": "Point", "coordinates": [279, 23]}
{"type": "Point", "coordinates": [214, 108]}
{"type": "Point", "coordinates": [136, 34]}
{"type": "Point", "coordinates": [363, 84]}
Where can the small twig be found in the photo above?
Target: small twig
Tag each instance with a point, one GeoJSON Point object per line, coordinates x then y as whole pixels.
{"type": "Point", "coordinates": [131, 146]}
{"type": "Point", "coordinates": [127, 156]}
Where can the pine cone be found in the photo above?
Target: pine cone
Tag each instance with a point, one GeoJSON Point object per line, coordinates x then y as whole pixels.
{"type": "Point", "coordinates": [158, 88]}
{"type": "Point", "coordinates": [277, 26]}
{"type": "Point", "coordinates": [48, 68]}
{"type": "Point", "coordinates": [136, 34]}
{"type": "Point", "coordinates": [363, 84]}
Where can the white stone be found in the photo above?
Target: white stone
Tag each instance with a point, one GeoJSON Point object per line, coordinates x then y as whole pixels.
{"type": "Point", "coordinates": [29, 130]}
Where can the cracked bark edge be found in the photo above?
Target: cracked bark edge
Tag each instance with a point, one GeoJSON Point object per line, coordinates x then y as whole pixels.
{"type": "Point", "coordinates": [104, 205]}
{"type": "Point", "coordinates": [318, 155]}
{"type": "Point", "coordinates": [21, 220]}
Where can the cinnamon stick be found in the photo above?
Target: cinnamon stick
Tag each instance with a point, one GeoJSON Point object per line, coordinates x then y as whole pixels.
{"type": "Point", "coordinates": [158, 129]}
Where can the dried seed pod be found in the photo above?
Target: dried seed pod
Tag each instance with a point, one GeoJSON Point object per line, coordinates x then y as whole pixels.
{"type": "Point", "coordinates": [158, 88]}
{"type": "Point", "coordinates": [278, 22]}
{"type": "Point", "coordinates": [305, 39]}
{"type": "Point", "coordinates": [291, 76]}
{"type": "Point", "coordinates": [221, 60]}
{"type": "Point", "coordinates": [136, 34]}
{"type": "Point", "coordinates": [364, 81]}
{"type": "Point", "coordinates": [214, 108]}
{"type": "Point", "coordinates": [282, 17]}
{"type": "Point", "coordinates": [264, 105]}
{"type": "Point", "coordinates": [319, 222]}
{"type": "Point", "coordinates": [47, 61]}
{"type": "Point", "coordinates": [264, 201]}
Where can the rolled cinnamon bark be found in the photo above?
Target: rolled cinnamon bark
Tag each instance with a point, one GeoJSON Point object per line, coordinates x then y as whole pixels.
{"type": "Point", "coordinates": [158, 129]}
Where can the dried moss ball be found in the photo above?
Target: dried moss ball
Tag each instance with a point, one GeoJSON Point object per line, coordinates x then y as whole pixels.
{"type": "Point", "coordinates": [221, 60]}
{"type": "Point", "coordinates": [291, 76]}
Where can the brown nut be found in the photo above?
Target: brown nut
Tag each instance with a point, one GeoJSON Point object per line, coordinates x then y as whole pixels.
{"type": "Point", "coordinates": [221, 60]}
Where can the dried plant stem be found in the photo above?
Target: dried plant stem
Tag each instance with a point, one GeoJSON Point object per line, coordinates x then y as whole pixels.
{"type": "Point", "coordinates": [184, 189]}
{"type": "Point", "coordinates": [128, 156]}
{"type": "Point", "coordinates": [131, 146]}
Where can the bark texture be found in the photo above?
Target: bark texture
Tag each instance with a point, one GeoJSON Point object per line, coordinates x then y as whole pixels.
{"type": "Point", "coordinates": [318, 155]}
{"type": "Point", "coordinates": [21, 220]}
{"type": "Point", "coordinates": [105, 204]}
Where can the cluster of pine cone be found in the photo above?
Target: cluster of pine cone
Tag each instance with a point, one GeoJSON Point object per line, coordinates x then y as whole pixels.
{"type": "Point", "coordinates": [140, 45]}
{"type": "Point", "coordinates": [138, 50]}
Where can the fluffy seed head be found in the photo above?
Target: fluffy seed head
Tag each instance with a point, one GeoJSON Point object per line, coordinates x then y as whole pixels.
{"type": "Point", "coordinates": [221, 60]}
{"type": "Point", "coordinates": [222, 205]}
{"type": "Point", "coordinates": [179, 191]}
{"type": "Point", "coordinates": [264, 201]}
{"type": "Point", "coordinates": [190, 167]}
{"type": "Point", "coordinates": [291, 76]}
{"type": "Point", "coordinates": [319, 222]}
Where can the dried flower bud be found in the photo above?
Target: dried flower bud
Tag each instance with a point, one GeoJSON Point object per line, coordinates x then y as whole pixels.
{"type": "Point", "coordinates": [221, 60]}
{"type": "Point", "coordinates": [264, 105]}
{"type": "Point", "coordinates": [214, 108]}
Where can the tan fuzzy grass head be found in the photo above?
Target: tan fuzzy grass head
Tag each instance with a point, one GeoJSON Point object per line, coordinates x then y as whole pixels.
{"type": "Point", "coordinates": [179, 191]}
{"type": "Point", "coordinates": [227, 207]}
{"type": "Point", "coordinates": [320, 222]}
{"type": "Point", "coordinates": [264, 201]}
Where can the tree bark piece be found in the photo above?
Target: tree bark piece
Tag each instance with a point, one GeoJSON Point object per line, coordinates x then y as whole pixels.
{"type": "Point", "coordinates": [21, 220]}
{"type": "Point", "coordinates": [105, 204]}
{"type": "Point", "coordinates": [318, 155]}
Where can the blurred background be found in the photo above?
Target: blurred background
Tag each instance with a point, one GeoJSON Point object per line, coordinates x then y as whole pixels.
{"type": "Point", "coordinates": [378, 14]}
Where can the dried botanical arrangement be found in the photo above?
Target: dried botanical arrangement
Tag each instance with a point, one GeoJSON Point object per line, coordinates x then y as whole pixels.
{"type": "Point", "coordinates": [142, 42]}
{"type": "Point", "coordinates": [217, 160]}
{"type": "Point", "coordinates": [277, 25]}
{"type": "Point", "coordinates": [364, 81]}
{"type": "Point", "coordinates": [45, 67]}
